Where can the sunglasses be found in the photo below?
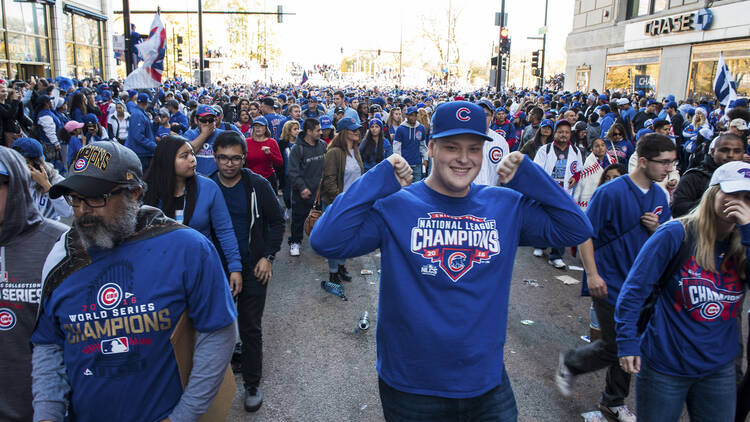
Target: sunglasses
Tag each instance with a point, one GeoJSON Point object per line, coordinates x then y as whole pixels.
{"type": "Point", "coordinates": [209, 120]}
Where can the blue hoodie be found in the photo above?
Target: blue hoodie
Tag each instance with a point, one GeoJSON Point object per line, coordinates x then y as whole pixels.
{"type": "Point", "coordinates": [446, 269]}
{"type": "Point", "coordinates": [607, 121]}
{"type": "Point", "coordinates": [693, 331]}
{"type": "Point", "coordinates": [140, 136]}
{"type": "Point", "coordinates": [413, 141]}
{"type": "Point", "coordinates": [179, 117]}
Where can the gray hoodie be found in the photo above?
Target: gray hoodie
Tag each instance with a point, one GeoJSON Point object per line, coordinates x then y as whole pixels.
{"type": "Point", "coordinates": [306, 165]}
{"type": "Point", "coordinates": [25, 240]}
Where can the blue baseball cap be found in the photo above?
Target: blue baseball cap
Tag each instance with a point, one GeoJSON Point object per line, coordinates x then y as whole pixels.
{"type": "Point", "coordinates": [650, 101]}
{"type": "Point", "coordinates": [205, 110]}
{"type": "Point", "coordinates": [325, 122]}
{"type": "Point", "coordinates": [132, 93]}
{"type": "Point", "coordinates": [604, 107]}
{"type": "Point", "coordinates": [90, 118]}
{"type": "Point", "coordinates": [410, 110]}
{"type": "Point", "coordinates": [499, 109]}
{"type": "Point", "coordinates": [741, 102]}
{"type": "Point", "coordinates": [671, 104]}
{"type": "Point", "coordinates": [106, 95]}
{"type": "Point", "coordinates": [260, 120]}
{"type": "Point", "coordinates": [563, 122]}
{"type": "Point", "coordinates": [546, 123]}
{"type": "Point", "coordinates": [603, 97]}
{"type": "Point", "coordinates": [143, 97]}
{"type": "Point", "coordinates": [347, 123]}
{"type": "Point", "coordinates": [648, 123]}
{"type": "Point", "coordinates": [669, 97]}
{"type": "Point", "coordinates": [486, 104]}
{"type": "Point", "coordinates": [458, 118]}
{"type": "Point", "coordinates": [29, 147]}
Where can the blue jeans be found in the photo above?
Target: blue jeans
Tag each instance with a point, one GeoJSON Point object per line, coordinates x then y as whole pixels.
{"type": "Point", "coordinates": [659, 397]}
{"type": "Point", "coordinates": [416, 171]}
{"type": "Point", "coordinates": [498, 404]}
{"type": "Point", "coordinates": [556, 253]}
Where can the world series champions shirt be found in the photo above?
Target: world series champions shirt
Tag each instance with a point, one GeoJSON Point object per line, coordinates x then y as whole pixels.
{"type": "Point", "coordinates": [114, 318]}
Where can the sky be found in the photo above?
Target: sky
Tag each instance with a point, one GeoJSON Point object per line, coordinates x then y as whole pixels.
{"type": "Point", "coordinates": [319, 29]}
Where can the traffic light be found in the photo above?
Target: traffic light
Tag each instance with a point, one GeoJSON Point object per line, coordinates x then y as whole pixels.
{"type": "Point", "coordinates": [179, 54]}
{"type": "Point", "coordinates": [535, 60]}
{"type": "Point", "coordinates": [378, 52]}
{"type": "Point", "coordinates": [279, 14]}
{"type": "Point", "coordinates": [179, 39]}
{"type": "Point", "coordinates": [342, 50]}
{"type": "Point", "coordinates": [504, 63]}
{"type": "Point", "coordinates": [504, 40]}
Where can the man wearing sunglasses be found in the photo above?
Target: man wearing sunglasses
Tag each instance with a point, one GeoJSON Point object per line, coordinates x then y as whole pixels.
{"type": "Point", "coordinates": [114, 289]}
{"type": "Point", "coordinates": [202, 139]}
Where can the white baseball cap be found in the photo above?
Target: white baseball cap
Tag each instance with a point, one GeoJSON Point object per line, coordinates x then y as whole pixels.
{"type": "Point", "coordinates": [733, 176]}
{"type": "Point", "coordinates": [738, 123]}
{"type": "Point", "coordinates": [623, 101]}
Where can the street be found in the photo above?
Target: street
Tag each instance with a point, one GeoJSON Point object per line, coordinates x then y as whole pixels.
{"type": "Point", "coordinates": [319, 367]}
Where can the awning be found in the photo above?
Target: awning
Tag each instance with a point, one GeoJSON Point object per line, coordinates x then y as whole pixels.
{"type": "Point", "coordinates": [83, 12]}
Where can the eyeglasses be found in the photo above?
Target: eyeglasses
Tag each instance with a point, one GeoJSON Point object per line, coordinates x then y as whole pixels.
{"type": "Point", "coordinates": [224, 159]}
{"type": "Point", "coordinates": [95, 202]}
{"type": "Point", "coordinates": [665, 163]}
{"type": "Point", "coordinates": [211, 120]}
{"type": "Point", "coordinates": [617, 134]}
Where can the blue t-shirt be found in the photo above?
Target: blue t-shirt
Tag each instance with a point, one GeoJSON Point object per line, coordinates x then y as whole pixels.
{"type": "Point", "coordinates": [236, 200]}
{"type": "Point", "coordinates": [615, 213]}
{"type": "Point", "coordinates": [275, 122]}
{"type": "Point", "coordinates": [163, 131]}
{"type": "Point", "coordinates": [114, 318]}
{"type": "Point", "coordinates": [693, 331]}
{"type": "Point", "coordinates": [446, 269]}
{"type": "Point", "coordinates": [206, 164]}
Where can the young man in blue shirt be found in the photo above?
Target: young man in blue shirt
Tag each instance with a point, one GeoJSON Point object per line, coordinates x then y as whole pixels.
{"type": "Point", "coordinates": [410, 142]}
{"type": "Point", "coordinates": [259, 227]}
{"type": "Point", "coordinates": [623, 213]}
{"type": "Point", "coordinates": [447, 247]}
{"type": "Point", "coordinates": [114, 288]}
{"type": "Point", "coordinates": [202, 139]}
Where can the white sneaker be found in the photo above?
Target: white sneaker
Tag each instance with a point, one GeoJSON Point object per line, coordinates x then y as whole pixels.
{"type": "Point", "coordinates": [563, 377]}
{"type": "Point", "coordinates": [617, 413]}
{"type": "Point", "coordinates": [538, 253]}
{"type": "Point", "coordinates": [557, 263]}
{"type": "Point", "coordinates": [294, 249]}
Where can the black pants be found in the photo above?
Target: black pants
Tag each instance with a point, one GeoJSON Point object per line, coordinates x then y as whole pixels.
{"type": "Point", "coordinates": [743, 390]}
{"type": "Point", "coordinates": [250, 304]}
{"type": "Point", "coordinates": [601, 354]}
{"type": "Point", "coordinates": [300, 209]}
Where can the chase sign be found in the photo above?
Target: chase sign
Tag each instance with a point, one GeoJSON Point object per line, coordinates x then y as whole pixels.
{"type": "Point", "coordinates": [699, 20]}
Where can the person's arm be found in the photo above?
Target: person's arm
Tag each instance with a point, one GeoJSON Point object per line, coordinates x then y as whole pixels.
{"type": "Point", "coordinates": [49, 383]}
{"type": "Point", "coordinates": [350, 226]}
{"type": "Point", "coordinates": [295, 168]}
{"type": "Point", "coordinates": [203, 135]}
{"type": "Point", "coordinates": [48, 126]}
{"type": "Point", "coordinates": [213, 352]}
{"type": "Point", "coordinates": [644, 275]}
{"type": "Point", "coordinates": [687, 195]}
{"type": "Point", "coordinates": [276, 159]}
{"type": "Point", "coordinates": [549, 215]}
{"type": "Point", "coordinates": [222, 225]}
{"type": "Point", "coordinates": [329, 187]}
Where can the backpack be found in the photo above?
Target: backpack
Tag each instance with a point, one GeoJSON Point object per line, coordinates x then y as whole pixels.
{"type": "Point", "coordinates": [678, 261]}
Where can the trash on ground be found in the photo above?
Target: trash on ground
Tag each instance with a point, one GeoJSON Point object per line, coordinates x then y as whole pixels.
{"type": "Point", "coordinates": [364, 406]}
{"type": "Point", "coordinates": [566, 279]}
{"type": "Point", "coordinates": [364, 321]}
{"type": "Point", "coordinates": [595, 416]}
{"type": "Point", "coordinates": [527, 322]}
{"type": "Point", "coordinates": [366, 272]}
{"type": "Point", "coordinates": [532, 283]}
{"type": "Point", "coordinates": [587, 339]}
{"type": "Point", "coordinates": [575, 268]}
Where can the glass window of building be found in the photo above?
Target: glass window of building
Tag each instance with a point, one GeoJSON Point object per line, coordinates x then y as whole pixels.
{"type": "Point", "coordinates": [704, 60]}
{"type": "Point", "coordinates": [83, 44]}
{"type": "Point", "coordinates": [637, 8]}
{"type": "Point", "coordinates": [633, 71]}
{"type": "Point", "coordinates": [24, 40]}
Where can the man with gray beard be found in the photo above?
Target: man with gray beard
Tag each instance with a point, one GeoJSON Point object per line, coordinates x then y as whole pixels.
{"type": "Point", "coordinates": [114, 288]}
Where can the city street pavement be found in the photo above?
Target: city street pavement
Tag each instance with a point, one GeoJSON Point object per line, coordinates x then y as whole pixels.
{"type": "Point", "coordinates": [319, 367]}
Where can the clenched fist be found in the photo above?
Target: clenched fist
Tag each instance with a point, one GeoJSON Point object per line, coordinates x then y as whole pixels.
{"type": "Point", "coordinates": [401, 169]}
{"type": "Point", "coordinates": [507, 168]}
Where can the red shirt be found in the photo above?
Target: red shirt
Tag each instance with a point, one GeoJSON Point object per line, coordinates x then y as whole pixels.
{"type": "Point", "coordinates": [260, 162]}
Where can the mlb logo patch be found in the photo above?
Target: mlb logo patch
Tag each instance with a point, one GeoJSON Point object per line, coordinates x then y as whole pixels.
{"type": "Point", "coordinates": [115, 345]}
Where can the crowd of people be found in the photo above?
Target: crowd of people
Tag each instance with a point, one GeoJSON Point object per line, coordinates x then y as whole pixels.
{"type": "Point", "coordinates": [98, 184]}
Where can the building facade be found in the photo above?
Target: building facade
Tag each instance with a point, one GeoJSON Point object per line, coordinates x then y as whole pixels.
{"type": "Point", "coordinates": [662, 46]}
{"type": "Point", "coordinates": [48, 38]}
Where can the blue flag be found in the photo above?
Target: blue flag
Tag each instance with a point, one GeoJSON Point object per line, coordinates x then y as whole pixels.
{"type": "Point", "coordinates": [724, 86]}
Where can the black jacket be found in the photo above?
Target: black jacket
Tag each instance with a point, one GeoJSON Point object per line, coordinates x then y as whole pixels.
{"type": "Point", "coordinates": [266, 218]}
{"type": "Point", "coordinates": [691, 187]}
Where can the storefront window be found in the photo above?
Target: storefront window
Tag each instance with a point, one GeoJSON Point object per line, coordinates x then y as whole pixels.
{"type": "Point", "coordinates": [84, 47]}
{"type": "Point", "coordinates": [582, 79]}
{"type": "Point", "coordinates": [633, 71]}
{"type": "Point", "coordinates": [27, 49]}
{"type": "Point", "coordinates": [703, 68]}
{"type": "Point", "coordinates": [28, 18]}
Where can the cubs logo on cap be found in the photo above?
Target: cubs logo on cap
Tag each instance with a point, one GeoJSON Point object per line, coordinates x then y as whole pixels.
{"type": "Point", "coordinates": [80, 164]}
{"type": "Point", "coordinates": [459, 118]}
{"type": "Point", "coordinates": [7, 319]}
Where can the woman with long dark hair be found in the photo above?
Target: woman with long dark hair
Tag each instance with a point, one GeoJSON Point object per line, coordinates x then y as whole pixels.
{"type": "Point", "coordinates": [342, 165]}
{"type": "Point", "coordinates": [375, 147]}
{"type": "Point", "coordinates": [193, 200]}
{"type": "Point", "coordinates": [78, 107]}
{"type": "Point", "coordinates": [244, 122]}
{"type": "Point", "coordinates": [618, 144]}
{"type": "Point", "coordinates": [697, 268]}
{"type": "Point", "coordinates": [542, 136]}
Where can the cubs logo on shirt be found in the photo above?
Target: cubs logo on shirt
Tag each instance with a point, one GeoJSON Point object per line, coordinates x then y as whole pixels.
{"type": "Point", "coordinates": [707, 296]}
{"type": "Point", "coordinates": [7, 319]}
{"type": "Point", "coordinates": [658, 210]}
{"type": "Point", "coordinates": [418, 135]}
{"type": "Point", "coordinates": [501, 132]}
{"type": "Point", "coordinates": [456, 243]}
{"type": "Point", "coordinates": [109, 296]}
{"type": "Point", "coordinates": [574, 167]}
{"type": "Point", "coordinates": [495, 154]}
